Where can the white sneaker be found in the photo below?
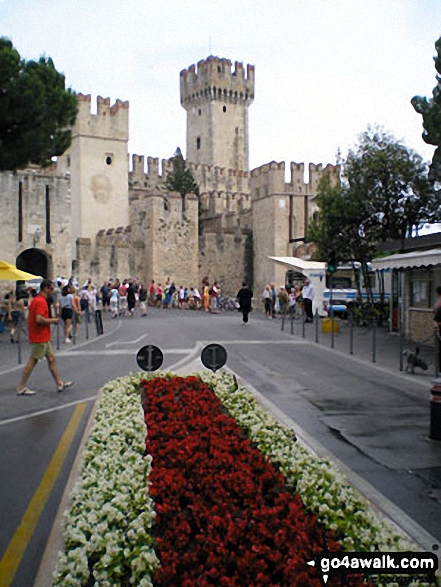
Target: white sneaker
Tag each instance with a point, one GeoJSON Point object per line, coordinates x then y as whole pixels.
{"type": "Point", "coordinates": [68, 341]}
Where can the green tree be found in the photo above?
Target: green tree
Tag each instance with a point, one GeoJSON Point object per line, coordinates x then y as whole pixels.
{"type": "Point", "coordinates": [383, 195]}
{"type": "Point", "coordinates": [430, 110]}
{"type": "Point", "coordinates": [181, 180]}
{"type": "Point", "coordinates": [35, 109]}
{"type": "Point", "coordinates": [391, 180]}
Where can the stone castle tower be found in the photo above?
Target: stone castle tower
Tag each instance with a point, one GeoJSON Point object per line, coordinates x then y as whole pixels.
{"type": "Point", "coordinates": [98, 166]}
{"type": "Point", "coordinates": [89, 215]}
{"type": "Point", "coordinates": [216, 100]}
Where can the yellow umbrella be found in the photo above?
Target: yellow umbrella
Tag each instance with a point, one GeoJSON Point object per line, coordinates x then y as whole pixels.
{"type": "Point", "coordinates": [9, 272]}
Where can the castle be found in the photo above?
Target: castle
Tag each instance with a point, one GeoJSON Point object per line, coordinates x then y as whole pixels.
{"type": "Point", "coordinates": [93, 214]}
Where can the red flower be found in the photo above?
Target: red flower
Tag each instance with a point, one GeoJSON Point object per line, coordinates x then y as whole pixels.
{"type": "Point", "coordinates": [225, 516]}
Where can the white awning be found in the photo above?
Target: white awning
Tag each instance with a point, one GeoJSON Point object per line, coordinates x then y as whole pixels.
{"type": "Point", "coordinates": [407, 260]}
{"type": "Point", "coordinates": [299, 264]}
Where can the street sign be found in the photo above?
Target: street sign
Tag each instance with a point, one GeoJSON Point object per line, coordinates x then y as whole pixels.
{"type": "Point", "coordinates": [149, 358]}
{"type": "Point", "coordinates": [214, 357]}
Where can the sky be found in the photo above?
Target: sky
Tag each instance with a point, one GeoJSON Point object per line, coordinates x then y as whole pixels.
{"type": "Point", "coordinates": [325, 69]}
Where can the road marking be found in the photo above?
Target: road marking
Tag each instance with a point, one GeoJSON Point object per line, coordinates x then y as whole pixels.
{"type": "Point", "coordinates": [48, 411]}
{"type": "Point", "coordinates": [110, 352]}
{"type": "Point", "coordinates": [126, 342]}
{"type": "Point", "coordinates": [17, 547]}
{"type": "Point", "coordinates": [58, 353]}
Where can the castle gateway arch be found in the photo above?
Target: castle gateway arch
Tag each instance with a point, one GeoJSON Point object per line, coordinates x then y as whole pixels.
{"type": "Point", "coordinates": [35, 261]}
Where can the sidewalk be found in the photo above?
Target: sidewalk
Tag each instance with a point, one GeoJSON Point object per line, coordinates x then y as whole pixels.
{"type": "Point", "coordinates": [377, 345]}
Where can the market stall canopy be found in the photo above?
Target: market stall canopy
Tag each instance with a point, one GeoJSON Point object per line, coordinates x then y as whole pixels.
{"type": "Point", "coordinates": [9, 272]}
{"type": "Point", "coordinates": [299, 264]}
{"type": "Point", "coordinates": [407, 260]}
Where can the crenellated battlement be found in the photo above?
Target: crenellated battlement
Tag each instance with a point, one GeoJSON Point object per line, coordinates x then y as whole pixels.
{"type": "Point", "coordinates": [110, 121]}
{"type": "Point", "coordinates": [207, 177]}
{"type": "Point", "coordinates": [213, 79]}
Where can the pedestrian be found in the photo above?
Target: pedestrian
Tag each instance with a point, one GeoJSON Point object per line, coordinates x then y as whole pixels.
{"type": "Point", "coordinates": [67, 310]}
{"type": "Point", "coordinates": [152, 294]}
{"type": "Point", "coordinates": [244, 298]}
{"type": "Point", "coordinates": [273, 299]}
{"type": "Point", "coordinates": [142, 293]}
{"type": "Point", "coordinates": [114, 301]}
{"type": "Point", "coordinates": [15, 314]}
{"type": "Point", "coordinates": [308, 298]}
{"type": "Point", "coordinates": [131, 299]}
{"type": "Point", "coordinates": [105, 291]}
{"type": "Point", "coordinates": [159, 295]}
{"type": "Point", "coordinates": [214, 292]}
{"type": "Point", "coordinates": [206, 297]}
{"type": "Point", "coordinates": [122, 293]}
{"type": "Point", "coordinates": [39, 328]}
{"type": "Point", "coordinates": [266, 298]}
{"type": "Point", "coordinates": [181, 297]}
{"type": "Point", "coordinates": [282, 297]}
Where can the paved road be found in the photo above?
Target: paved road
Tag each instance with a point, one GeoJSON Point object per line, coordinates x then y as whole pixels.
{"type": "Point", "coordinates": [370, 416]}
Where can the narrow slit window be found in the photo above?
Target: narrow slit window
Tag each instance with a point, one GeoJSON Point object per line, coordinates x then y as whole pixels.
{"type": "Point", "coordinates": [48, 215]}
{"type": "Point", "coordinates": [20, 212]}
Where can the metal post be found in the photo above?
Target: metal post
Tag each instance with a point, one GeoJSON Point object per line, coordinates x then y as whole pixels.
{"type": "Point", "coordinates": [18, 327]}
{"type": "Point", "coordinates": [332, 328]}
{"type": "Point", "coordinates": [58, 336]}
{"type": "Point", "coordinates": [99, 322]}
{"type": "Point", "coordinates": [74, 324]}
{"type": "Point", "coordinates": [87, 329]}
{"type": "Point", "coordinates": [437, 348]}
{"type": "Point", "coordinates": [331, 304]}
{"type": "Point", "coordinates": [316, 325]}
{"type": "Point", "coordinates": [401, 307]}
{"type": "Point", "coordinates": [283, 317]}
{"type": "Point", "coordinates": [303, 323]}
{"type": "Point", "coordinates": [374, 341]}
{"type": "Point", "coordinates": [292, 319]}
{"type": "Point", "coordinates": [351, 334]}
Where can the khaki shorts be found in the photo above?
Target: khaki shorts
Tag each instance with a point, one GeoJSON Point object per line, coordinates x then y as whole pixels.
{"type": "Point", "coordinates": [39, 350]}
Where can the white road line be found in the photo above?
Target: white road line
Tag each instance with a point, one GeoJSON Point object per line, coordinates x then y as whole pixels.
{"type": "Point", "coordinates": [48, 411]}
{"type": "Point", "coordinates": [110, 352]}
{"type": "Point", "coordinates": [127, 342]}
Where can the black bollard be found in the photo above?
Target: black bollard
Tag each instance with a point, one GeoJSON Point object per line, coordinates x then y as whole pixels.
{"type": "Point", "coordinates": [374, 341]}
{"type": "Point", "coordinates": [435, 411]}
{"type": "Point", "coordinates": [351, 334]}
{"type": "Point", "coordinates": [99, 322]}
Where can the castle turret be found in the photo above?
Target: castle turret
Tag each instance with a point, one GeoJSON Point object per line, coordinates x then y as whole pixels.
{"type": "Point", "coordinates": [98, 163]}
{"type": "Point", "coordinates": [216, 100]}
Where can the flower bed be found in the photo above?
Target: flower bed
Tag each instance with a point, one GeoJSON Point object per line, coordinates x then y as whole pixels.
{"type": "Point", "coordinates": [224, 514]}
{"type": "Point", "coordinates": [111, 538]}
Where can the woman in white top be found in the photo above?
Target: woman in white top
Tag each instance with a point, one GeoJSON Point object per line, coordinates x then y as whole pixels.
{"type": "Point", "coordinates": [113, 296]}
{"type": "Point", "coordinates": [67, 307]}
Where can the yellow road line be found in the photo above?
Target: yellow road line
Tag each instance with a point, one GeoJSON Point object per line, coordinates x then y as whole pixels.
{"type": "Point", "coordinates": [14, 553]}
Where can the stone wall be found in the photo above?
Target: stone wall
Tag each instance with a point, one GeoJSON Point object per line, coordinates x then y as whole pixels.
{"type": "Point", "coordinates": [42, 227]}
{"type": "Point", "coordinates": [225, 257]}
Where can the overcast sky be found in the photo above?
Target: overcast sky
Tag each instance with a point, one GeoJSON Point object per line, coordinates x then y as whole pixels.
{"type": "Point", "coordinates": [325, 69]}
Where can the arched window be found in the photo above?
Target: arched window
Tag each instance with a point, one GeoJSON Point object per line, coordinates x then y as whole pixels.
{"type": "Point", "coordinates": [198, 143]}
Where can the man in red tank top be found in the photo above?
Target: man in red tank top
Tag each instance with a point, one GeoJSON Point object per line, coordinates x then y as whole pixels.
{"type": "Point", "coordinates": [39, 328]}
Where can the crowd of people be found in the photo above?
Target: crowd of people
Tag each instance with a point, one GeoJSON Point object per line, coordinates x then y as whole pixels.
{"type": "Point", "coordinates": [74, 301]}
{"type": "Point", "coordinates": [289, 300]}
